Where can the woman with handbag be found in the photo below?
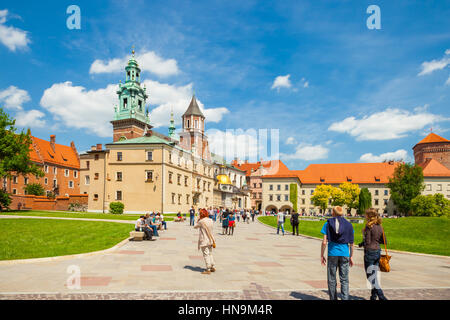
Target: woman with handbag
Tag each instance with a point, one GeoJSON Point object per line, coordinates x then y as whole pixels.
{"type": "Point", "coordinates": [373, 235]}
{"type": "Point", "coordinates": [206, 241]}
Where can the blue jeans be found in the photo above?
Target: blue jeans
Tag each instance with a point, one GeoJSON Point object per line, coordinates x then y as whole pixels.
{"type": "Point", "coordinates": [191, 220]}
{"type": "Point", "coordinates": [155, 230]}
{"type": "Point", "coordinates": [164, 224]}
{"type": "Point", "coordinates": [372, 266]}
{"type": "Point", "coordinates": [343, 263]}
{"type": "Point", "coordinates": [280, 224]}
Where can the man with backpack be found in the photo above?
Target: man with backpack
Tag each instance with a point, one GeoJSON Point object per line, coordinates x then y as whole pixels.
{"type": "Point", "coordinates": [339, 235]}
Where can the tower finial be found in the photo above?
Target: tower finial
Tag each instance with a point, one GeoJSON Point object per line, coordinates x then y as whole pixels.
{"type": "Point", "coordinates": [132, 50]}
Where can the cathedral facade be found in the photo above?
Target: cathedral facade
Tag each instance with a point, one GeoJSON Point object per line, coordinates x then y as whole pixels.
{"type": "Point", "coordinates": [147, 170]}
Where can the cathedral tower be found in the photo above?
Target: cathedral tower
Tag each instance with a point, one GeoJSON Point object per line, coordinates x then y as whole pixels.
{"type": "Point", "coordinates": [130, 117]}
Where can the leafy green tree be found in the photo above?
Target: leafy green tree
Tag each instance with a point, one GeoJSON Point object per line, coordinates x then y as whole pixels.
{"type": "Point", "coordinates": [430, 205]}
{"type": "Point", "coordinates": [364, 201]}
{"type": "Point", "coordinates": [14, 153]}
{"type": "Point", "coordinates": [35, 189]}
{"type": "Point", "coordinates": [406, 184]}
{"type": "Point", "coordinates": [5, 200]}
{"type": "Point", "coordinates": [293, 195]}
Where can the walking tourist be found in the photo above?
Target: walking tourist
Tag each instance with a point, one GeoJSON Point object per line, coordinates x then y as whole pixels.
{"type": "Point", "coordinates": [373, 236]}
{"type": "Point", "coordinates": [161, 219]}
{"type": "Point", "coordinates": [339, 235]}
{"type": "Point", "coordinates": [253, 215]}
{"type": "Point", "coordinates": [140, 226]}
{"type": "Point", "coordinates": [294, 222]}
{"type": "Point", "coordinates": [231, 223]}
{"type": "Point", "coordinates": [225, 221]}
{"type": "Point", "coordinates": [247, 216]}
{"type": "Point", "coordinates": [206, 241]}
{"type": "Point", "coordinates": [280, 222]}
{"type": "Point", "coordinates": [191, 216]}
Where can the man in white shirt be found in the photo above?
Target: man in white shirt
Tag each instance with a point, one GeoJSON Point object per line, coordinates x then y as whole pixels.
{"type": "Point", "coordinates": [140, 226]}
{"type": "Point", "coordinates": [280, 222]}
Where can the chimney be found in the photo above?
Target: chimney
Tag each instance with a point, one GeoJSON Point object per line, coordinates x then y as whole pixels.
{"type": "Point", "coordinates": [52, 142]}
{"type": "Point", "coordinates": [99, 146]}
{"type": "Point", "coordinates": [93, 148]}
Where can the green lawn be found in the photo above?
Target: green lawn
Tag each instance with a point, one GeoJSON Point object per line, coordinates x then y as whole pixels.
{"type": "Point", "coordinates": [415, 234]}
{"type": "Point", "coordinates": [37, 238]}
{"type": "Point", "coordinates": [87, 215]}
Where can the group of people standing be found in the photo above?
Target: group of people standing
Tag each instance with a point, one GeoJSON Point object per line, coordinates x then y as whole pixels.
{"type": "Point", "coordinates": [338, 234]}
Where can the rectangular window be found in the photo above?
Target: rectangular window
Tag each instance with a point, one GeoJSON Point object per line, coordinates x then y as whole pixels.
{"type": "Point", "coordinates": [286, 187]}
{"type": "Point", "coordinates": [170, 177]}
{"type": "Point", "coordinates": [75, 174]}
{"type": "Point", "coordinates": [119, 156]}
{"type": "Point", "coordinates": [149, 156]}
{"type": "Point", "coordinates": [186, 181]}
{"type": "Point", "coordinates": [303, 201]}
{"type": "Point", "coordinates": [170, 157]}
{"type": "Point", "coordinates": [376, 202]}
{"type": "Point", "coordinates": [173, 198]}
{"type": "Point", "coordinates": [428, 188]}
{"type": "Point", "coordinates": [271, 197]}
{"type": "Point", "coordinates": [303, 192]}
{"type": "Point", "coordinates": [278, 197]}
{"type": "Point", "coordinates": [66, 173]}
{"type": "Point", "coordinates": [71, 184]}
{"type": "Point", "coordinates": [439, 187]}
{"type": "Point", "coordinates": [118, 195]}
{"type": "Point", "coordinates": [45, 180]}
{"type": "Point", "coordinates": [15, 179]}
{"type": "Point", "coordinates": [87, 180]}
{"type": "Point", "coordinates": [46, 169]}
{"type": "Point", "coordinates": [87, 164]}
{"type": "Point", "coordinates": [95, 197]}
{"type": "Point", "coordinates": [376, 192]}
{"type": "Point", "coordinates": [385, 202]}
{"type": "Point", "coordinates": [149, 176]}
{"type": "Point", "coordinates": [54, 170]}
{"type": "Point", "coordinates": [25, 181]}
{"type": "Point", "coordinates": [312, 191]}
{"type": "Point", "coordinates": [14, 191]}
{"type": "Point", "coordinates": [271, 187]}
{"type": "Point", "coordinates": [286, 197]}
{"type": "Point", "coordinates": [196, 124]}
{"type": "Point", "coordinates": [96, 175]}
{"type": "Point", "coordinates": [179, 179]}
{"type": "Point", "coordinates": [55, 183]}
{"type": "Point", "coordinates": [119, 176]}
{"type": "Point", "coordinates": [278, 187]}
{"type": "Point", "coordinates": [179, 199]}
{"type": "Point", "coordinates": [187, 199]}
{"type": "Point", "coordinates": [386, 192]}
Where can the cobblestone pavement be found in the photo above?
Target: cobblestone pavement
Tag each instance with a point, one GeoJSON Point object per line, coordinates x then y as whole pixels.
{"type": "Point", "coordinates": [253, 292]}
{"type": "Point", "coordinates": [254, 263]}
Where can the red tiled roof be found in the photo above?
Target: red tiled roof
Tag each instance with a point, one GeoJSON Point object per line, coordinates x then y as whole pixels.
{"type": "Point", "coordinates": [433, 168]}
{"type": "Point", "coordinates": [432, 137]}
{"type": "Point", "coordinates": [271, 167]}
{"type": "Point", "coordinates": [42, 151]}
{"type": "Point", "coordinates": [336, 173]}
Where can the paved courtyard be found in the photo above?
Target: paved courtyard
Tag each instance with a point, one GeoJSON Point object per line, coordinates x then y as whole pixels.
{"type": "Point", "coordinates": [255, 263]}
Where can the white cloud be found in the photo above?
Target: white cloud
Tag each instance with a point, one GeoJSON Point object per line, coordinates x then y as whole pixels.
{"type": "Point", "coordinates": [234, 143]}
{"type": "Point", "coordinates": [307, 152]}
{"type": "Point", "coordinates": [281, 82]}
{"type": "Point", "coordinates": [12, 38]}
{"type": "Point", "coordinates": [396, 155]}
{"type": "Point", "coordinates": [433, 65]}
{"type": "Point", "coordinates": [79, 108]}
{"type": "Point", "coordinates": [177, 98]}
{"type": "Point", "coordinates": [148, 61]}
{"type": "Point", "coordinates": [30, 119]}
{"type": "Point", "coordinates": [385, 125]}
{"type": "Point", "coordinates": [291, 140]}
{"type": "Point", "coordinates": [13, 98]}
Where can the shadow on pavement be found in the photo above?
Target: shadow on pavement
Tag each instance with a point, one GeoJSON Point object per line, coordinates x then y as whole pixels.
{"type": "Point", "coordinates": [195, 269]}
{"type": "Point", "coordinates": [304, 296]}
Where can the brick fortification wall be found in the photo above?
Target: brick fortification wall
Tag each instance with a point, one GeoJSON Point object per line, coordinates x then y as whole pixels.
{"type": "Point", "coordinates": [30, 202]}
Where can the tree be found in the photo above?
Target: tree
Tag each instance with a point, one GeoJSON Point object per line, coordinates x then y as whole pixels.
{"type": "Point", "coordinates": [293, 195]}
{"type": "Point", "coordinates": [14, 153]}
{"type": "Point", "coordinates": [430, 205]}
{"type": "Point", "coordinates": [406, 184]}
{"type": "Point", "coordinates": [350, 194]}
{"type": "Point", "coordinates": [364, 201]}
{"type": "Point", "coordinates": [321, 196]}
{"type": "Point", "coordinates": [35, 188]}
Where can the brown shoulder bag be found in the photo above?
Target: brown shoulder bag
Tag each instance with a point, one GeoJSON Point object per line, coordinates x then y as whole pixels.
{"type": "Point", "coordinates": [384, 259]}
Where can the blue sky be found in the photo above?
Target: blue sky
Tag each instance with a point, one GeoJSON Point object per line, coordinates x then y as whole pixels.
{"type": "Point", "coordinates": [337, 91]}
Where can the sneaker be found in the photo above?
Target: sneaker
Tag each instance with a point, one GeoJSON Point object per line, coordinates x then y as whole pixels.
{"type": "Point", "coordinates": [206, 272]}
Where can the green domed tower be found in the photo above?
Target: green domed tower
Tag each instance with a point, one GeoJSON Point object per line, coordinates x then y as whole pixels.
{"type": "Point", "coordinates": [130, 116]}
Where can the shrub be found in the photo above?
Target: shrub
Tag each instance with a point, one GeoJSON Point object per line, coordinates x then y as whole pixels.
{"type": "Point", "coordinates": [5, 200]}
{"type": "Point", "coordinates": [116, 207]}
{"type": "Point", "coordinates": [35, 189]}
{"type": "Point", "coordinates": [430, 205]}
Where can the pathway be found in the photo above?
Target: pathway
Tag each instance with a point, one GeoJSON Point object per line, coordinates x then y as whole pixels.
{"type": "Point", "coordinates": [255, 263]}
